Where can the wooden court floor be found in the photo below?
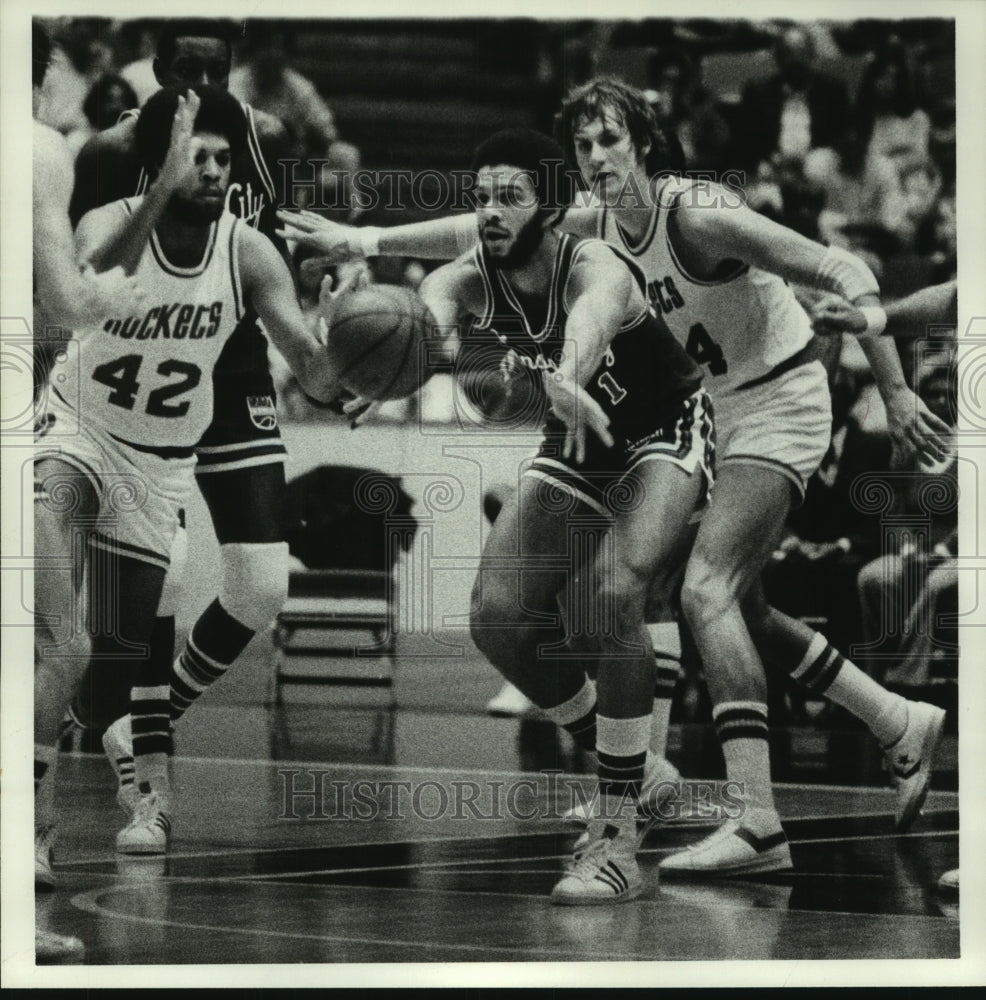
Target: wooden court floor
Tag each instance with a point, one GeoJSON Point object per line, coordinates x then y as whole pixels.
{"type": "Point", "coordinates": [316, 834]}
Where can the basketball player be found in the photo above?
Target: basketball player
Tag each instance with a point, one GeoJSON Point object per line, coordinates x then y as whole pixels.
{"type": "Point", "coordinates": [576, 311]}
{"type": "Point", "coordinates": [64, 297]}
{"type": "Point", "coordinates": [240, 467]}
{"type": "Point", "coordinates": [717, 272]}
{"type": "Point", "coordinates": [114, 461]}
{"type": "Point", "coordinates": [908, 317]}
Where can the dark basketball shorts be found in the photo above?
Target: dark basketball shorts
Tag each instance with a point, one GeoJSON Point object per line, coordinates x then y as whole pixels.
{"type": "Point", "coordinates": [244, 431]}
{"type": "Point", "coordinates": [685, 438]}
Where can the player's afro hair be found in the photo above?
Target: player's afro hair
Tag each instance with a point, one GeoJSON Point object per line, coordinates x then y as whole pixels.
{"type": "Point", "coordinates": [219, 113]}
{"type": "Point", "coordinates": [534, 153]}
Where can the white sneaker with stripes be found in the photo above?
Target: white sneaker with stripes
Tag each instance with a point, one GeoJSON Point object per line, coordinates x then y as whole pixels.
{"type": "Point", "coordinates": [731, 850]}
{"type": "Point", "coordinates": [605, 871]}
{"type": "Point", "coordinates": [118, 745]}
{"type": "Point", "coordinates": [149, 829]}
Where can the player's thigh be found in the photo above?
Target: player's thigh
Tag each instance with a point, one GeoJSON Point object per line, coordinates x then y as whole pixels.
{"type": "Point", "coordinates": [246, 505]}
{"type": "Point", "coordinates": [741, 528]}
{"type": "Point", "coordinates": [537, 547]}
{"type": "Point", "coordinates": [654, 507]}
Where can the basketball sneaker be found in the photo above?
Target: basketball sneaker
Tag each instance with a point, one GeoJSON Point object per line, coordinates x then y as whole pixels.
{"type": "Point", "coordinates": [662, 783]}
{"type": "Point", "coordinates": [949, 882]}
{"type": "Point", "coordinates": [731, 850]}
{"type": "Point", "coordinates": [910, 760]}
{"type": "Point", "coordinates": [606, 871]}
{"type": "Point", "coordinates": [44, 859]}
{"type": "Point", "coordinates": [119, 749]}
{"type": "Point", "coordinates": [52, 947]}
{"type": "Point", "coordinates": [149, 828]}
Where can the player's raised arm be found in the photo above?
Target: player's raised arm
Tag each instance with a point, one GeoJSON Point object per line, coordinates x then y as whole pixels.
{"type": "Point", "coordinates": [70, 297]}
{"type": "Point", "coordinates": [105, 246]}
{"type": "Point", "coordinates": [269, 288]}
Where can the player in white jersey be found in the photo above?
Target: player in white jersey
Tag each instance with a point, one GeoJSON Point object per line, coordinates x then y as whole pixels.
{"type": "Point", "coordinates": [115, 459]}
{"type": "Point", "coordinates": [718, 272]}
{"type": "Point", "coordinates": [63, 296]}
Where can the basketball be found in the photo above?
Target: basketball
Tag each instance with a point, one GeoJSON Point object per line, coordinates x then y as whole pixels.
{"type": "Point", "coordinates": [376, 339]}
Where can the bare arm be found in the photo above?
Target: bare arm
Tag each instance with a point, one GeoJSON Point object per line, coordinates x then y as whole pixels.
{"type": "Point", "coordinates": [436, 239]}
{"type": "Point", "coordinates": [68, 297]}
{"type": "Point", "coordinates": [600, 293]}
{"type": "Point", "coordinates": [709, 235]}
{"type": "Point", "coordinates": [269, 288]}
{"type": "Point", "coordinates": [908, 317]}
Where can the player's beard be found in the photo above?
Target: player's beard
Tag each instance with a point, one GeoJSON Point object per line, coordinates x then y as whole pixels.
{"type": "Point", "coordinates": [195, 213]}
{"type": "Point", "coordinates": [526, 243]}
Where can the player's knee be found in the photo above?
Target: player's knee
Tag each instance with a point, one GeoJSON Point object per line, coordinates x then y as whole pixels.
{"type": "Point", "coordinates": [705, 594]}
{"type": "Point", "coordinates": [624, 591]}
{"type": "Point", "coordinates": [172, 591]}
{"type": "Point", "coordinates": [492, 625]}
{"type": "Point", "coordinates": [254, 583]}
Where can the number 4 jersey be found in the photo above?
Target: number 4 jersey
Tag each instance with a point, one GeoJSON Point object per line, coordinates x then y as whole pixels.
{"type": "Point", "coordinates": [741, 325]}
{"type": "Point", "coordinates": [146, 378]}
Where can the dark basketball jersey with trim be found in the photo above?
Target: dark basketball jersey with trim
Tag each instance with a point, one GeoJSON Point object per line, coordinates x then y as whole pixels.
{"type": "Point", "coordinates": [645, 374]}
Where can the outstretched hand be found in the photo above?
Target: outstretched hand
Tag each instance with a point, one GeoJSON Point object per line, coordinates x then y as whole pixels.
{"type": "Point", "coordinates": [915, 432]}
{"type": "Point", "coordinates": [579, 412]}
{"type": "Point", "coordinates": [335, 242]}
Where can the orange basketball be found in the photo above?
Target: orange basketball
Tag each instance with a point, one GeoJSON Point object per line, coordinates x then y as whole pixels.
{"type": "Point", "coordinates": [376, 339]}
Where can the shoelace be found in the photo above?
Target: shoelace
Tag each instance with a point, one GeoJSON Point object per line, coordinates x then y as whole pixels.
{"type": "Point", "coordinates": [590, 858]}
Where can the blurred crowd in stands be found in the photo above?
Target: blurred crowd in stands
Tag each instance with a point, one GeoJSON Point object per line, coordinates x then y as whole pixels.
{"type": "Point", "coordinates": [845, 133]}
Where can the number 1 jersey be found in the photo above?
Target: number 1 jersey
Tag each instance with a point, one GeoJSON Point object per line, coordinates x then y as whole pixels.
{"type": "Point", "coordinates": [146, 378]}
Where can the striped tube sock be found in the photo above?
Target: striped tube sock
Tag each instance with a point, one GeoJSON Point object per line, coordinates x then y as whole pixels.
{"type": "Point", "coordinates": [621, 746]}
{"type": "Point", "coordinates": [825, 671]}
{"type": "Point", "coordinates": [742, 730]}
{"type": "Point", "coordinates": [667, 653]}
{"type": "Point", "coordinates": [216, 640]}
{"type": "Point", "coordinates": [45, 759]}
{"type": "Point", "coordinates": [577, 716]}
{"type": "Point", "coordinates": [150, 724]}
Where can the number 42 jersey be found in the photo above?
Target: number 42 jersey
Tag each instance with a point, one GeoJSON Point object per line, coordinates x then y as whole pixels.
{"type": "Point", "coordinates": [146, 378]}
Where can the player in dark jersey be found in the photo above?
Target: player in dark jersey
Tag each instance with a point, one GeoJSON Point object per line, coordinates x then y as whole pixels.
{"type": "Point", "coordinates": [576, 311]}
{"type": "Point", "coordinates": [240, 458]}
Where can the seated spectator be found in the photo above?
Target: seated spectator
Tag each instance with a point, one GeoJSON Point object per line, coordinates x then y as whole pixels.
{"type": "Point", "coordinates": [109, 97]}
{"type": "Point", "coordinates": [887, 111]}
{"type": "Point", "coordinates": [795, 110]}
{"type": "Point", "coordinates": [683, 106]}
{"type": "Point", "coordinates": [901, 592]}
{"type": "Point", "coordinates": [267, 82]}
{"type": "Point", "coordinates": [141, 39]}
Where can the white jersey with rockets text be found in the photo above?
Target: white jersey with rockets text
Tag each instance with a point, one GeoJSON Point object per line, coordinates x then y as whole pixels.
{"type": "Point", "coordinates": [740, 326]}
{"type": "Point", "coordinates": [146, 378]}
